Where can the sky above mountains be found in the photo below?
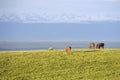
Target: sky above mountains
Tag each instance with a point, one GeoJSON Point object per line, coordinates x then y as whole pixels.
{"type": "Point", "coordinates": [56, 11]}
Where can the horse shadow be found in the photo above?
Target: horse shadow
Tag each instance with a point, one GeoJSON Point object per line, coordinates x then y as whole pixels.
{"type": "Point", "coordinates": [92, 51]}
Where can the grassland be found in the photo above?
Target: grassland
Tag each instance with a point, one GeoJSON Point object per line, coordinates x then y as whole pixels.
{"type": "Point", "coordinates": [57, 65]}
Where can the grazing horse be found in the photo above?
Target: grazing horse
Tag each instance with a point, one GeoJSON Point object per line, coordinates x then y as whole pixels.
{"type": "Point", "coordinates": [100, 45]}
{"type": "Point", "coordinates": [68, 49]}
{"type": "Point", "coordinates": [91, 45]}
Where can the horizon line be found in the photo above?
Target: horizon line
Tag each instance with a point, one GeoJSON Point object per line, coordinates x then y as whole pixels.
{"type": "Point", "coordinates": [58, 40]}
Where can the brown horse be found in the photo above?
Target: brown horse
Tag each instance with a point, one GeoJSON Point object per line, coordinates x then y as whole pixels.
{"type": "Point", "coordinates": [68, 49]}
{"type": "Point", "coordinates": [92, 45]}
{"type": "Point", "coordinates": [100, 45]}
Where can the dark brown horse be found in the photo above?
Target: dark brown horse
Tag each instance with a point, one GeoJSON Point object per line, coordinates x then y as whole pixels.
{"type": "Point", "coordinates": [100, 45]}
{"type": "Point", "coordinates": [91, 45]}
{"type": "Point", "coordinates": [68, 49]}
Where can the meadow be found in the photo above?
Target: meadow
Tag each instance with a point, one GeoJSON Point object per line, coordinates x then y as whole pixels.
{"type": "Point", "coordinates": [82, 64]}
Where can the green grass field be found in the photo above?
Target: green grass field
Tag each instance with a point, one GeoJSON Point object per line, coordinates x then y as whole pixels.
{"type": "Point", "coordinates": [57, 65]}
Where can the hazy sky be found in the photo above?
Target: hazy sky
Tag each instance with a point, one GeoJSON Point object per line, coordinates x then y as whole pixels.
{"type": "Point", "coordinates": [109, 31]}
{"type": "Point", "coordinates": [59, 20]}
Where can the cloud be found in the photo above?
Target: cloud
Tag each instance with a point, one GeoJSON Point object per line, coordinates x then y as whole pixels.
{"type": "Point", "coordinates": [65, 13]}
{"type": "Point", "coordinates": [46, 11]}
{"type": "Point", "coordinates": [58, 18]}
